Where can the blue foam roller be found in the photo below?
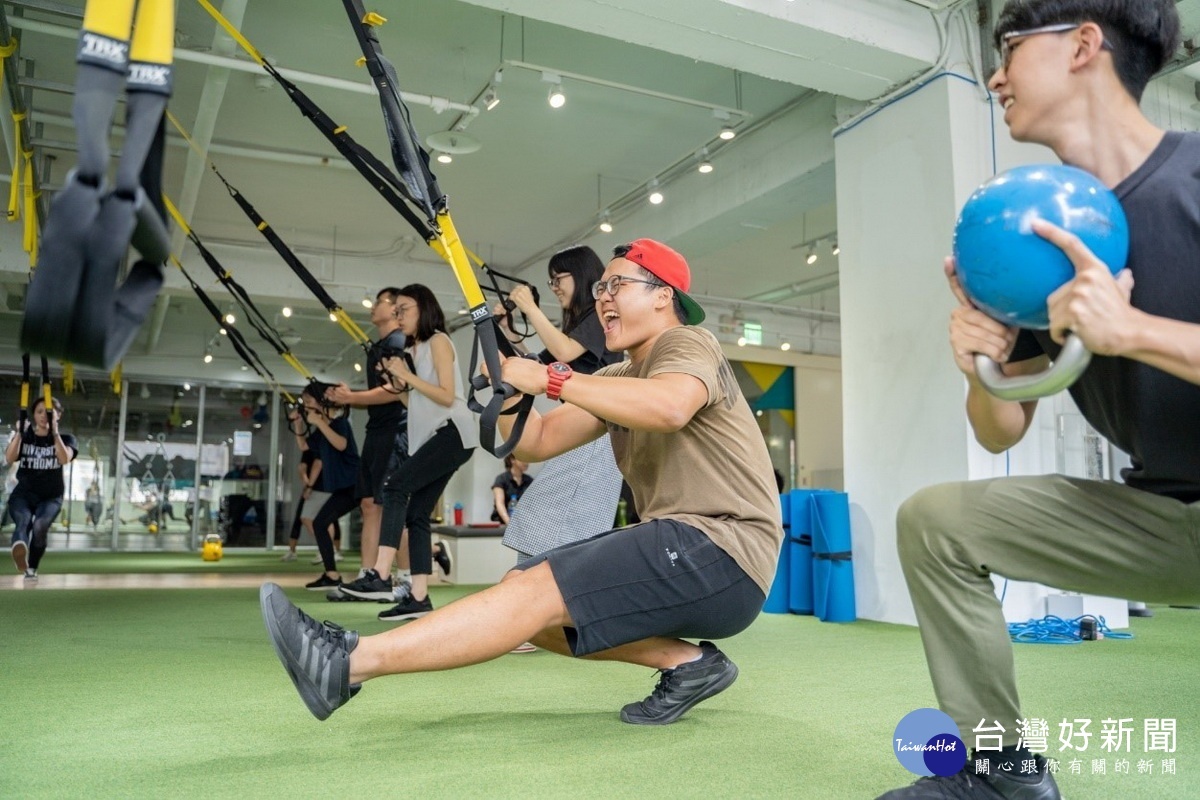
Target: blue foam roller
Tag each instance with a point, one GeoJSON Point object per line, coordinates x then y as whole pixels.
{"type": "Point", "coordinates": [777, 598]}
{"type": "Point", "coordinates": [800, 584]}
{"type": "Point", "coordinates": [833, 570]}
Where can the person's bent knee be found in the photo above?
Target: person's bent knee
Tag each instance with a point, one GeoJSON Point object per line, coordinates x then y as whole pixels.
{"type": "Point", "coordinates": [926, 519]}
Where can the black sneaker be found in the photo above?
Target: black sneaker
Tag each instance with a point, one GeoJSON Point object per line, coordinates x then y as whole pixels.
{"type": "Point", "coordinates": [441, 554]}
{"type": "Point", "coordinates": [682, 687]}
{"type": "Point", "coordinates": [315, 655]}
{"type": "Point", "coordinates": [369, 587]}
{"type": "Point", "coordinates": [408, 608]}
{"type": "Point", "coordinates": [322, 583]}
{"type": "Point", "coordinates": [997, 785]}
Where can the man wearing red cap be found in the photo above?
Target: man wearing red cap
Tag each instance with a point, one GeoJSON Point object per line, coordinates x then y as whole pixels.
{"type": "Point", "coordinates": [698, 566]}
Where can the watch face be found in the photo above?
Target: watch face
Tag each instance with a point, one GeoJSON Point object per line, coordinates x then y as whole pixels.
{"type": "Point", "coordinates": [560, 367]}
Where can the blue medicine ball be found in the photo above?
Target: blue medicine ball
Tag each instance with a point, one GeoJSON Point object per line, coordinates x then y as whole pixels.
{"type": "Point", "coordinates": [1008, 270]}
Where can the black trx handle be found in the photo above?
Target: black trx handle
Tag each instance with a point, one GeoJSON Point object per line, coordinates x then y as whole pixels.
{"type": "Point", "coordinates": [505, 301]}
{"type": "Point", "coordinates": [74, 308]}
{"type": "Point", "coordinates": [490, 340]}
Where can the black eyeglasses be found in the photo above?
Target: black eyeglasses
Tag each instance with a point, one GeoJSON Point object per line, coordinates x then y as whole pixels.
{"type": "Point", "coordinates": [613, 285]}
{"type": "Point", "coordinates": [556, 280]}
{"type": "Point", "coordinates": [1009, 41]}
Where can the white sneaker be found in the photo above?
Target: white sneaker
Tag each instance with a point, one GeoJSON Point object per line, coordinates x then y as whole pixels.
{"type": "Point", "coordinates": [317, 560]}
{"type": "Point", "coordinates": [527, 647]}
{"type": "Point", "coordinates": [289, 556]}
{"type": "Point", "coordinates": [31, 574]}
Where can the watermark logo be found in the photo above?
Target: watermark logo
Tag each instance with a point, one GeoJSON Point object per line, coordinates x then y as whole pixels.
{"type": "Point", "coordinates": [927, 742]}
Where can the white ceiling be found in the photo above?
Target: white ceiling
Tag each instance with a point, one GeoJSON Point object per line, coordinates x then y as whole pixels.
{"type": "Point", "coordinates": [540, 177]}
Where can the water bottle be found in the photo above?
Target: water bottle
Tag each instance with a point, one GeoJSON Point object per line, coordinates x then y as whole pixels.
{"type": "Point", "coordinates": [512, 503]}
{"type": "Point", "coordinates": [622, 514]}
{"type": "Point", "coordinates": [458, 513]}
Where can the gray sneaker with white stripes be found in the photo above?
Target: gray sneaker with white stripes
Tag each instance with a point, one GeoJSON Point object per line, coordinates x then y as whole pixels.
{"type": "Point", "coordinates": [316, 655]}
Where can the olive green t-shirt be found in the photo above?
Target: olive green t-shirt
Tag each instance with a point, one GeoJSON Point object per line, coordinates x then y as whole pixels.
{"type": "Point", "coordinates": [713, 474]}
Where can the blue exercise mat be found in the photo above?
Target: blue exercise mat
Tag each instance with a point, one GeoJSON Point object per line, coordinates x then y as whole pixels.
{"type": "Point", "coordinates": [833, 570]}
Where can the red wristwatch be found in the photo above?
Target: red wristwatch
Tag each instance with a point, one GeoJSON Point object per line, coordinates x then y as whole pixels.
{"type": "Point", "coordinates": [557, 374]}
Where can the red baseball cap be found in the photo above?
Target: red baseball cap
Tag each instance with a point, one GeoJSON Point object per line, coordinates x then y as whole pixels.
{"type": "Point", "coordinates": [669, 267]}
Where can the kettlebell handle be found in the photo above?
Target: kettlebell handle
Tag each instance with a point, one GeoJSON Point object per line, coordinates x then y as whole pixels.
{"type": "Point", "coordinates": [1072, 360]}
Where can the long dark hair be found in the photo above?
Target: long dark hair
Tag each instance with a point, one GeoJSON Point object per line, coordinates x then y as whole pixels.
{"type": "Point", "coordinates": [585, 267]}
{"type": "Point", "coordinates": [431, 318]}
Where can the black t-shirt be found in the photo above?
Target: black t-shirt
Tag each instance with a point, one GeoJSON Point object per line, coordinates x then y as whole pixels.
{"type": "Point", "coordinates": [385, 415]}
{"type": "Point", "coordinates": [1150, 414]}
{"type": "Point", "coordinates": [39, 472]}
{"type": "Point", "coordinates": [509, 485]}
{"type": "Point", "coordinates": [587, 332]}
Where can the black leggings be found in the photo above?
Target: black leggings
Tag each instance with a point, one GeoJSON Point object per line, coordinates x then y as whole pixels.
{"type": "Point", "coordinates": [411, 489]}
{"type": "Point", "coordinates": [32, 515]}
{"type": "Point", "coordinates": [343, 501]}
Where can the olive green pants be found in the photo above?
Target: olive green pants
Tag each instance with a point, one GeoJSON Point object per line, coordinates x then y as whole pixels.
{"type": "Point", "coordinates": [1083, 536]}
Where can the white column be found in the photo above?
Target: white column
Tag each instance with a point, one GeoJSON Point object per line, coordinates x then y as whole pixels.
{"type": "Point", "coordinates": [902, 175]}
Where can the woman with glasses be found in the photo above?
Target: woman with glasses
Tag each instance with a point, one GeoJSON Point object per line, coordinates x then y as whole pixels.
{"type": "Point", "coordinates": [441, 437]}
{"type": "Point", "coordinates": [575, 495]}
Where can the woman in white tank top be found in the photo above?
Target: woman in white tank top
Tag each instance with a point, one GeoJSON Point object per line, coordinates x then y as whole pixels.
{"type": "Point", "coordinates": [441, 437]}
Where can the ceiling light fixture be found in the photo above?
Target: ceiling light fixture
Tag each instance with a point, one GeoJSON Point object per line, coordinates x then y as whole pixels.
{"type": "Point", "coordinates": [223, 332]}
{"type": "Point", "coordinates": [556, 98]}
{"type": "Point", "coordinates": [655, 197]}
{"type": "Point", "coordinates": [785, 346]}
{"type": "Point", "coordinates": [490, 98]}
{"type": "Point", "coordinates": [444, 158]}
{"type": "Point", "coordinates": [705, 166]}
{"type": "Point", "coordinates": [357, 367]}
{"type": "Point", "coordinates": [367, 301]}
{"type": "Point", "coordinates": [332, 317]}
{"type": "Point", "coordinates": [727, 132]}
{"type": "Point", "coordinates": [230, 318]}
{"type": "Point", "coordinates": [207, 356]}
{"type": "Point", "coordinates": [605, 223]}
{"type": "Point", "coordinates": [835, 249]}
{"type": "Point", "coordinates": [812, 256]}
{"type": "Point", "coordinates": [286, 311]}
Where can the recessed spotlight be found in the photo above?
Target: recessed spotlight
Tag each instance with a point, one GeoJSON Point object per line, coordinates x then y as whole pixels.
{"type": "Point", "coordinates": [655, 197]}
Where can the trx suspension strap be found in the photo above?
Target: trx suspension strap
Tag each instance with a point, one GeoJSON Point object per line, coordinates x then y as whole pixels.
{"type": "Point", "coordinates": [285, 252]}
{"type": "Point", "coordinates": [375, 171]}
{"type": "Point", "coordinates": [243, 349]}
{"type": "Point", "coordinates": [421, 189]}
{"type": "Point", "coordinates": [73, 308]}
{"type": "Point", "coordinates": [250, 311]}
{"type": "Point", "coordinates": [438, 233]}
{"type": "Point", "coordinates": [47, 398]}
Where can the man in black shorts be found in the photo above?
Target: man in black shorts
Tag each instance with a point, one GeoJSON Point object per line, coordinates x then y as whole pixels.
{"type": "Point", "coordinates": [387, 422]}
{"type": "Point", "coordinates": [697, 567]}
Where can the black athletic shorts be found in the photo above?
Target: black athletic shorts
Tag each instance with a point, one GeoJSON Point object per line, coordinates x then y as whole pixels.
{"type": "Point", "coordinates": [659, 578]}
{"type": "Point", "coordinates": [382, 449]}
